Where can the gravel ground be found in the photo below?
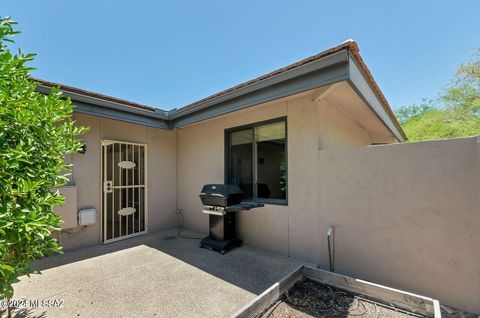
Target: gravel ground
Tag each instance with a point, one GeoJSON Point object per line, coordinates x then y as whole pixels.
{"type": "Point", "coordinates": [311, 299]}
{"type": "Point", "coordinates": [453, 313]}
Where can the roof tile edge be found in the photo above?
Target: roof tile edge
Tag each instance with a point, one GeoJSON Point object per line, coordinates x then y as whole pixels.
{"type": "Point", "coordinates": [350, 45]}
{"type": "Point", "coordinates": [88, 93]}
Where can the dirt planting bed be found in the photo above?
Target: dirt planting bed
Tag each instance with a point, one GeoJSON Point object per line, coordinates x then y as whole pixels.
{"type": "Point", "coordinates": [312, 292]}
{"type": "Point", "coordinates": [312, 299]}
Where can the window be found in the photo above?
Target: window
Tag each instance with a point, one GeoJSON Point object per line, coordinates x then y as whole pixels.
{"type": "Point", "coordinates": [257, 161]}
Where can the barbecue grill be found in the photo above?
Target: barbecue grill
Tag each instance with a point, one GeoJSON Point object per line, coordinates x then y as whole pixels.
{"type": "Point", "coordinates": [220, 202]}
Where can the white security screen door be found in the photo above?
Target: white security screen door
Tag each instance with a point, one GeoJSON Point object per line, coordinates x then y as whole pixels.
{"type": "Point", "coordinates": [124, 178]}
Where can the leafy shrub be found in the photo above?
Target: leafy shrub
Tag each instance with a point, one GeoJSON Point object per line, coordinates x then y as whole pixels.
{"type": "Point", "coordinates": [36, 131]}
{"type": "Point", "coordinates": [456, 113]}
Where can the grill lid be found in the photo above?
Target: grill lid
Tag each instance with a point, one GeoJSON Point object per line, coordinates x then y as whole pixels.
{"type": "Point", "coordinates": [220, 195]}
{"type": "Point", "coordinates": [221, 190]}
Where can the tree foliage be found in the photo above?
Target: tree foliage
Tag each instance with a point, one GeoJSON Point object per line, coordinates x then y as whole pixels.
{"type": "Point", "coordinates": [36, 131]}
{"type": "Point", "coordinates": [456, 113]}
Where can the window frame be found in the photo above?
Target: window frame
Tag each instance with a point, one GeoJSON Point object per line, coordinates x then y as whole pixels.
{"type": "Point", "coordinates": [227, 133]}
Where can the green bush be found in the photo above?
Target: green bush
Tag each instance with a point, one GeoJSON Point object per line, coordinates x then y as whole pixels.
{"type": "Point", "coordinates": [36, 131]}
{"type": "Point", "coordinates": [456, 113]}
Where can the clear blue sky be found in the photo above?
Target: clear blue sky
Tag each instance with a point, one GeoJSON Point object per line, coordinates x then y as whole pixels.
{"type": "Point", "coordinates": [170, 53]}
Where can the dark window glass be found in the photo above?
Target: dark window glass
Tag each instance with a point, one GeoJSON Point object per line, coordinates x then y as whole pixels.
{"type": "Point", "coordinates": [270, 142]}
{"type": "Point", "coordinates": [257, 161]}
{"type": "Point", "coordinates": [240, 161]}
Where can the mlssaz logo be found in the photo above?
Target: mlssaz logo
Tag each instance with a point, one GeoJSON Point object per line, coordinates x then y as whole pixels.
{"type": "Point", "coordinates": [31, 303]}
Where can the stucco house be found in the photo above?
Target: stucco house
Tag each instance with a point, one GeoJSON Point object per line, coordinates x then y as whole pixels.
{"type": "Point", "coordinates": [142, 165]}
{"type": "Point", "coordinates": [317, 145]}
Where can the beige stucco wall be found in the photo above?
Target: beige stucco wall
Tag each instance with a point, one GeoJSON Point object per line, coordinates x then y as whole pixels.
{"type": "Point", "coordinates": [68, 210]}
{"type": "Point", "coordinates": [312, 125]}
{"type": "Point", "coordinates": [161, 155]}
{"type": "Point", "coordinates": [336, 129]}
{"type": "Point", "coordinates": [405, 215]}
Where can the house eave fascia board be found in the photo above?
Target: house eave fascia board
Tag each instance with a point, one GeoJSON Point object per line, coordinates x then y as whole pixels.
{"type": "Point", "coordinates": [338, 66]}
{"type": "Point", "coordinates": [340, 57]}
{"type": "Point", "coordinates": [359, 83]}
{"type": "Point", "coordinates": [312, 76]}
{"type": "Point", "coordinates": [324, 71]}
{"type": "Point", "coordinates": [113, 110]}
{"type": "Point", "coordinates": [115, 114]}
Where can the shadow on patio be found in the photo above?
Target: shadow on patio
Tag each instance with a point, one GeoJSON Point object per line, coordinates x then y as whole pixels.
{"type": "Point", "coordinates": [159, 274]}
{"type": "Point", "coordinates": [249, 268]}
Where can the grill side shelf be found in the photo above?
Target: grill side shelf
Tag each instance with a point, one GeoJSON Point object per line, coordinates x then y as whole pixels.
{"type": "Point", "coordinates": [244, 206]}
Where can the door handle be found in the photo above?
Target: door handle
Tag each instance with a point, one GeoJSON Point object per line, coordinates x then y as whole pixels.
{"type": "Point", "coordinates": [107, 186]}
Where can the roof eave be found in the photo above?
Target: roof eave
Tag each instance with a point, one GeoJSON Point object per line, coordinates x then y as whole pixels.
{"type": "Point", "coordinates": [321, 72]}
{"type": "Point", "coordinates": [341, 63]}
{"type": "Point", "coordinates": [357, 60]}
{"type": "Point", "coordinates": [109, 108]}
{"type": "Point", "coordinates": [363, 88]}
{"type": "Point", "coordinates": [339, 66]}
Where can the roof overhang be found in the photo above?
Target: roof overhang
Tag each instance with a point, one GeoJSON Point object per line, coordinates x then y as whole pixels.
{"type": "Point", "coordinates": [360, 84]}
{"type": "Point", "coordinates": [97, 105]}
{"type": "Point", "coordinates": [318, 73]}
{"type": "Point", "coordinates": [342, 63]}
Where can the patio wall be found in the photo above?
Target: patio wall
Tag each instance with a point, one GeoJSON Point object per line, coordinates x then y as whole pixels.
{"type": "Point", "coordinates": [405, 215]}
{"type": "Point", "coordinates": [87, 179]}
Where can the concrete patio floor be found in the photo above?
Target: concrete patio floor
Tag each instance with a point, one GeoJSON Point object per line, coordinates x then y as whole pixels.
{"type": "Point", "coordinates": [155, 275]}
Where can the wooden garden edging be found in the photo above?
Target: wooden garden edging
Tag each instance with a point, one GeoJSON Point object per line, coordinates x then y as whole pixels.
{"type": "Point", "coordinates": [386, 295]}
